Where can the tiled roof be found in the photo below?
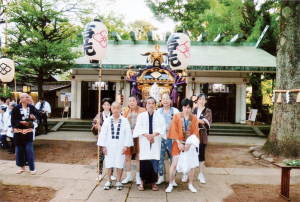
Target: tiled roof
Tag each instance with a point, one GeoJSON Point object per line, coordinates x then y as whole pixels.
{"type": "Point", "coordinates": [204, 55]}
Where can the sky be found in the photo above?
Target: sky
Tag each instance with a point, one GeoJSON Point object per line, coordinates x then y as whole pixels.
{"type": "Point", "coordinates": [137, 9]}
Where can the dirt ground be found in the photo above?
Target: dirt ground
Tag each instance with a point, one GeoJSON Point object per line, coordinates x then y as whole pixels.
{"type": "Point", "coordinates": [84, 153]}
{"type": "Point", "coordinates": [232, 156]}
{"type": "Point", "coordinates": [9, 193]}
{"type": "Point", "coordinates": [63, 152]}
{"type": "Point", "coordinates": [261, 193]}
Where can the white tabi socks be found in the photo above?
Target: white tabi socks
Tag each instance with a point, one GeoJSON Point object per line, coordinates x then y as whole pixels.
{"type": "Point", "coordinates": [160, 180]}
{"type": "Point", "coordinates": [138, 178]}
{"type": "Point", "coordinates": [192, 188]}
{"type": "Point", "coordinates": [127, 179]}
{"type": "Point", "coordinates": [170, 188]}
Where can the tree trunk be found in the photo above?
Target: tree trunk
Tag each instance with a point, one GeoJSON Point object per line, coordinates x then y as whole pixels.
{"type": "Point", "coordinates": [284, 138]}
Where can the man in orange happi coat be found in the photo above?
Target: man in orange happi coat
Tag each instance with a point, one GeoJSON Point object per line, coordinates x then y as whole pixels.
{"type": "Point", "coordinates": [184, 131]}
{"type": "Point", "coordinates": [131, 114]}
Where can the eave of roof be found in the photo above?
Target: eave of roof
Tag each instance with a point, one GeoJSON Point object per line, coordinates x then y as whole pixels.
{"type": "Point", "coordinates": [205, 56]}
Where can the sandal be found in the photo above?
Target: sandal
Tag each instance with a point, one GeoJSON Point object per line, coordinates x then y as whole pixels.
{"type": "Point", "coordinates": [32, 172]}
{"type": "Point", "coordinates": [141, 188]}
{"type": "Point", "coordinates": [154, 188]}
{"type": "Point", "coordinates": [20, 171]}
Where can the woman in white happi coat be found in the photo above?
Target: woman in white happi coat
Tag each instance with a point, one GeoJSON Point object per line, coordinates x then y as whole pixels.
{"type": "Point", "coordinates": [115, 137]}
{"type": "Point", "coordinates": [150, 128]}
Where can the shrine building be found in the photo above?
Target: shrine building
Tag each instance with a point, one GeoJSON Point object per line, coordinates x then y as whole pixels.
{"type": "Point", "coordinates": [216, 68]}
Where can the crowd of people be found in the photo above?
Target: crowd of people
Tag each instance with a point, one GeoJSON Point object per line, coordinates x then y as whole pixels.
{"type": "Point", "coordinates": [18, 123]}
{"type": "Point", "coordinates": [149, 134]}
{"type": "Point", "coordinates": [144, 133]}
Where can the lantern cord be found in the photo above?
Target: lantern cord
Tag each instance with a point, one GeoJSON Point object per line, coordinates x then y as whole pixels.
{"type": "Point", "coordinates": [4, 89]}
{"type": "Point", "coordinates": [5, 54]}
{"type": "Point", "coordinates": [15, 79]}
{"type": "Point", "coordinates": [99, 116]}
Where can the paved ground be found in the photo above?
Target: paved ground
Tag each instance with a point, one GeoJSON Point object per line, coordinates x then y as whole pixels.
{"type": "Point", "coordinates": [77, 182]}
{"type": "Point", "coordinates": [68, 135]}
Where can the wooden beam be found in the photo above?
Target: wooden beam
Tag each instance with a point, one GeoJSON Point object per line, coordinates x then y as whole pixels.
{"type": "Point", "coordinates": [237, 38]}
{"type": "Point", "coordinates": [220, 37]}
{"type": "Point", "coordinates": [116, 36]}
{"type": "Point", "coordinates": [258, 132]}
{"type": "Point", "coordinates": [57, 126]}
{"type": "Point", "coordinates": [202, 37]}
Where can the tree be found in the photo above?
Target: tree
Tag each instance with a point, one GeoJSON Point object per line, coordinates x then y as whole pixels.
{"type": "Point", "coordinates": [141, 27]}
{"type": "Point", "coordinates": [114, 22]}
{"type": "Point", "coordinates": [187, 14]}
{"type": "Point", "coordinates": [41, 39]}
{"type": "Point", "coordinates": [284, 137]}
{"type": "Point", "coordinates": [5, 92]}
{"type": "Point", "coordinates": [230, 17]}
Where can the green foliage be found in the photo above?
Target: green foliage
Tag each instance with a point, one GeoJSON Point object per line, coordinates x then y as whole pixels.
{"type": "Point", "coordinates": [65, 76]}
{"type": "Point", "coordinates": [141, 27]}
{"type": "Point", "coordinates": [187, 14]}
{"type": "Point", "coordinates": [228, 16]}
{"type": "Point", "coordinates": [114, 22]}
{"type": "Point", "coordinates": [5, 93]}
{"type": "Point", "coordinates": [41, 38]}
{"type": "Point", "coordinates": [262, 89]}
{"type": "Point", "coordinates": [292, 163]}
{"type": "Point", "coordinates": [223, 16]}
{"type": "Point", "coordinates": [268, 14]}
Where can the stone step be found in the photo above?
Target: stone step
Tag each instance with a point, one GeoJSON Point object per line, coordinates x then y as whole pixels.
{"type": "Point", "coordinates": [231, 127]}
{"type": "Point", "coordinates": [76, 126]}
{"type": "Point", "coordinates": [76, 129]}
{"type": "Point", "coordinates": [231, 130]}
{"type": "Point", "coordinates": [232, 134]}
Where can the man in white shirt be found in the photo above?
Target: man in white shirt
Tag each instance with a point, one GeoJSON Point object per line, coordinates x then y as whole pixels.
{"type": "Point", "coordinates": [150, 128]}
{"type": "Point", "coordinates": [166, 144]}
{"type": "Point", "coordinates": [44, 108]}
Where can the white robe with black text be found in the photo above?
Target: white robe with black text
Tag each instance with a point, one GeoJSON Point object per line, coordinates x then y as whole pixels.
{"type": "Point", "coordinates": [114, 157]}
{"type": "Point", "coordinates": [142, 127]}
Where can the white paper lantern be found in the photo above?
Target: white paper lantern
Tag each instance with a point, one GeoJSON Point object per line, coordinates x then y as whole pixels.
{"type": "Point", "coordinates": [95, 40]}
{"type": "Point", "coordinates": [179, 46]}
{"type": "Point", "coordinates": [7, 70]}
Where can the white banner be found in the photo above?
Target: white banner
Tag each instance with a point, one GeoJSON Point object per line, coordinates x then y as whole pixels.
{"type": "Point", "coordinates": [64, 95]}
{"type": "Point", "coordinates": [252, 115]}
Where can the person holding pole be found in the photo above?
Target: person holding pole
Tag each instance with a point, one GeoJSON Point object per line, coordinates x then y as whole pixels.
{"type": "Point", "coordinates": [97, 124]}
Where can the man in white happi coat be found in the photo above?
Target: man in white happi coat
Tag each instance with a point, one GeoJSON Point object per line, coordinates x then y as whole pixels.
{"type": "Point", "coordinates": [115, 137]}
{"type": "Point", "coordinates": [150, 128]}
{"type": "Point", "coordinates": [44, 108]}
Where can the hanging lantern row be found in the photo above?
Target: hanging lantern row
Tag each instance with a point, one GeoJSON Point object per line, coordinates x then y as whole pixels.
{"type": "Point", "coordinates": [287, 95]}
{"type": "Point", "coordinates": [7, 70]}
{"type": "Point", "coordinates": [179, 45]}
